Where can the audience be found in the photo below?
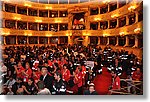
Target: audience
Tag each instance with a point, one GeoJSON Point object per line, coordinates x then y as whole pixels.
{"type": "Point", "coordinates": [66, 69]}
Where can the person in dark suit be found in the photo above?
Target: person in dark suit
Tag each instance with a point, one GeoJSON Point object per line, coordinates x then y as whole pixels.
{"type": "Point", "coordinates": [47, 79]}
{"type": "Point", "coordinates": [91, 90]}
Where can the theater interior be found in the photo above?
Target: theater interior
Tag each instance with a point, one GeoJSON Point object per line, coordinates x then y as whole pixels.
{"type": "Point", "coordinates": [83, 47]}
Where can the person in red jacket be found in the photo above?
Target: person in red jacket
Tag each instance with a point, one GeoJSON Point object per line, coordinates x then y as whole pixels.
{"type": "Point", "coordinates": [27, 73]}
{"type": "Point", "coordinates": [36, 75]}
{"type": "Point", "coordinates": [78, 79]}
{"type": "Point", "coordinates": [137, 75]}
{"type": "Point", "coordinates": [116, 81]}
{"type": "Point", "coordinates": [19, 70]}
{"type": "Point", "coordinates": [65, 73]}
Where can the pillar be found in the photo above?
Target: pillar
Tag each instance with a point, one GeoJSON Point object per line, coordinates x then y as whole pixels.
{"type": "Point", "coordinates": [98, 41]}
{"type": "Point", "coordinates": [58, 27]}
{"type": "Point", "coordinates": [127, 20]}
{"type": "Point", "coordinates": [136, 16]}
{"type": "Point", "coordinates": [117, 22]}
{"type": "Point", "coordinates": [86, 41]}
{"type": "Point", "coordinates": [4, 40]}
{"type": "Point", "coordinates": [38, 26]}
{"type": "Point", "coordinates": [98, 25]}
{"type": "Point", "coordinates": [118, 4]}
{"type": "Point", "coordinates": [58, 40]}
{"type": "Point", "coordinates": [127, 41]}
{"type": "Point", "coordinates": [48, 14]}
{"type": "Point", "coordinates": [3, 6]}
{"type": "Point", "coordinates": [38, 40]}
{"type": "Point", "coordinates": [48, 40]}
{"type": "Point", "coordinates": [69, 40]}
{"type": "Point", "coordinates": [58, 14]}
{"type": "Point", "coordinates": [107, 40]}
{"type": "Point", "coordinates": [3, 23]}
{"type": "Point", "coordinates": [99, 10]}
{"type": "Point", "coordinates": [16, 25]}
{"type": "Point", "coordinates": [38, 13]}
{"type": "Point", "coordinates": [27, 40]}
{"type": "Point", "coordinates": [136, 42]}
{"type": "Point", "coordinates": [117, 41]}
{"type": "Point", "coordinates": [17, 40]}
{"type": "Point", "coordinates": [108, 24]}
{"type": "Point", "coordinates": [16, 9]}
{"type": "Point", "coordinates": [27, 11]}
{"type": "Point", "coordinates": [108, 7]}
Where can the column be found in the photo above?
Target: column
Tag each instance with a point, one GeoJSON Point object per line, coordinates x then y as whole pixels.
{"type": "Point", "coordinates": [16, 8]}
{"type": "Point", "coordinates": [99, 10]}
{"type": "Point", "coordinates": [86, 41]}
{"type": "Point", "coordinates": [58, 14]}
{"type": "Point", "coordinates": [108, 24]}
{"type": "Point", "coordinates": [58, 40]}
{"type": "Point", "coordinates": [117, 41]}
{"type": "Point", "coordinates": [108, 7]}
{"type": "Point", "coordinates": [136, 16]}
{"type": "Point", "coordinates": [107, 40]}
{"type": "Point", "coordinates": [117, 22]}
{"type": "Point", "coordinates": [27, 11]}
{"type": "Point", "coordinates": [98, 40]}
{"type": "Point", "coordinates": [27, 40]}
{"type": "Point", "coordinates": [136, 42]}
{"type": "Point", "coordinates": [17, 40]}
{"type": "Point", "coordinates": [38, 26]}
{"type": "Point", "coordinates": [69, 40]}
{"type": "Point", "coordinates": [48, 14]}
{"type": "Point", "coordinates": [38, 12]}
{"type": "Point", "coordinates": [127, 20]}
{"type": "Point", "coordinates": [3, 23]}
{"type": "Point", "coordinates": [4, 40]}
{"type": "Point", "coordinates": [118, 4]}
{"type": "Point", "coordinates": [127, 41]}
{"type": "Point", "coordinates": [58, 27]}
{"type": "Point", "coordinates": [3, 6]}
{"type": "Point", "coordinates": [38, 40]}
{"type": "Point", "coordinates": [16, 25]}
{"type": "Point", "coordinates": [98, 25]}
{"type": "Point", "coordinates": [48, 40]}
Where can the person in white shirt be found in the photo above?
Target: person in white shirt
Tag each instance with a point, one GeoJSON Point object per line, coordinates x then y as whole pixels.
{"type": "Point", "coordinates": [42, 90]}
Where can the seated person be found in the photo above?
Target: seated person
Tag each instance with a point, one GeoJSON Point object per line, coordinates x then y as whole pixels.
{"type": "Point", "coordinates": [41, 89]}
{"type": "Point", "coordinates": [17, 87]}
{"type": "Point", "coordinates": [91, 90]}
{"type": "Point", "coordinates": [29, 88]}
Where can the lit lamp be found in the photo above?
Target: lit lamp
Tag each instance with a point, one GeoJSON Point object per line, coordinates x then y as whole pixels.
{"type": "Point", "coordinates": [121, 33]}
{"type": "Point", "coordinates": [115, 15]}
{"type": "Point", "coordinates": [52, 15]}
{"type": "Point", "coordinates": [106, 1]}
{"type": "Point", "coordinates": [131, 8]}
{"type": "Point", "coordinates": [137, 30]}
{"type": "Point", "coordinates": [97, 19]}
{"type": "Point", "coordinates": [28, 5]}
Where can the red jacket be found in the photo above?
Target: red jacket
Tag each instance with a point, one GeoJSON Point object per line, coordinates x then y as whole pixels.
{"type": "Point", "coordinates": [137, 76]}
{"type": "Point", "coordinates": [20, 70]}
{"type": "Point", "coordinates": [116, 83]}
{"type": "Point", "coordinates": [29, 73]}
{"type": "Point", "coordinates": [78, 81]}
{"type": "Point", "coordinates": [66, 75]}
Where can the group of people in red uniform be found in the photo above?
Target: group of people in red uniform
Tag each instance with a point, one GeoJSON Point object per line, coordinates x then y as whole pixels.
{"type": "Point", "coordinates": [56, 69]}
